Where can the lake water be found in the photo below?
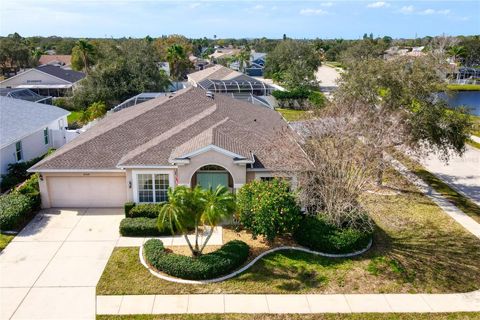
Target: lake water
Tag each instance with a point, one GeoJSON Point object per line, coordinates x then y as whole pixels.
{"type": "Point", "coordinates": [470, 99]}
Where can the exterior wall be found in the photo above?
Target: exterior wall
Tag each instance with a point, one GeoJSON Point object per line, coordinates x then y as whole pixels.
{"type": "Point", "coordinates": [73, 185]}
{"type": "Point", "coordinates": [238, 171]}
{"type": "Point", "coordinates": [31, 77]}
{"type": "Point", "coordinates": [34, 145]}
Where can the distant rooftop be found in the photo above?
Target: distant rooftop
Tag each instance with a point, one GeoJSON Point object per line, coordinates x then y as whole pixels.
{"type": "Point", "coordinates": [64, 74]}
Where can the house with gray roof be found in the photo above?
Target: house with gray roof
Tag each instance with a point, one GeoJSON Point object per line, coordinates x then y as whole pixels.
{"type": "Point", "coordinates": [45, 80]}
{"type": "Point", "coordinates": [185, 138]}
{"type": "Point", "coordinates": [28, 130]}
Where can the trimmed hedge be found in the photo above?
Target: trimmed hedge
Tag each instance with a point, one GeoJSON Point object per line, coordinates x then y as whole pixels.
{"type": "Point", "coordinates": [228, 258]}
{"type": "Point", "coordinates": [141, 227]}
{"type": "Point", "coordinates": [147, 210]}
{"type": "Point", "coordinates": [316, 234]}
{"type": "Point", "coordinates": [14, 210]}
{"type": "Point", "coordinates": [127, 207]}
{"type": "Point", "coordinates": [17, 207]}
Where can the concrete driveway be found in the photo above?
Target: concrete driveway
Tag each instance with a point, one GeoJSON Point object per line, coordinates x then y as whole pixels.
{"type": "Point", "coordinates": [50, 269]}
{"type": "Point", "coordinates": [462, 173]}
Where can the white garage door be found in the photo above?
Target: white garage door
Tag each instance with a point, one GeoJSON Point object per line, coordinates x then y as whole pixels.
{"type": "Point", "coordinates": [83, 192]}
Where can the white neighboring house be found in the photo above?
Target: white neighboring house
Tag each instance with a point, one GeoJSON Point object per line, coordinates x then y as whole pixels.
{"type": "Point", "coordinates": [46, 80]}
{"type": "Point", "coordinates": [28, 130]}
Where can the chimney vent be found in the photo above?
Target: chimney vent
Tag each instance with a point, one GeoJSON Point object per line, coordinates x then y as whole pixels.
{"type": "Point", "coordinates": [210, 95]}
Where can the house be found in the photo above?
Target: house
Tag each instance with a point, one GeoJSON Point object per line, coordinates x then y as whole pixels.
{"type": "Point", "coordinates": [225, 80]}
{"type": "Point", "coordinates": [222, 54]}
{"type": "Point", "coordinates": [61, 60]}
{"type": "Point", "coordinates": [28, 130]}
{"type": "Point", "coordinates": [46, 80]}
{"type": "Point", "coordinates": [186, 138]}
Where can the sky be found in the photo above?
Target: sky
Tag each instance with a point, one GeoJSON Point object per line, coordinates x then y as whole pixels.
{"type": "Point", "coordinates": [238, 19]}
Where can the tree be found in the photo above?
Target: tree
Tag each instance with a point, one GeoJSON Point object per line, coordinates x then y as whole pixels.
{"type": "Point", "coordinates": [163, 44]}
{"type": "Point", "coordinates": [293, 64]}
{"type": "Point", "coordinates": [178, 61]}
{"type": "Point", "coordinates": [243, 58]}
{"type": "Point", "coordinates": [393, 103]}
{"type": "Point", "coordinates": [15, 54]}
{"type": "Point", "coordinates": [122, 71]}
{"type": "Point", "coordinates": [82, 55]}
{"type": "Point", "coordinates": [197, 206]}
{"type": "Point", "coordinates": [456, 52]}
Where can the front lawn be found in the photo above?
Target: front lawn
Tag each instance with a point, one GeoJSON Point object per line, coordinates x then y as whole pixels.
{"type": "Point", "coordinates": [464, 87]}
{"type": "Point", "coordinates": [295, 115]}
{"type": "Point", "coordinates": [354, 316]}
{"type": "Point", "coordinates": [417, 248]}
{"type": "Point", "coordinates": [5, 240]}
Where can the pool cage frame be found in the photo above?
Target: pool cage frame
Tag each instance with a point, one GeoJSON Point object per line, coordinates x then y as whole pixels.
{"type": "Point", "coordinates": [257, 88]}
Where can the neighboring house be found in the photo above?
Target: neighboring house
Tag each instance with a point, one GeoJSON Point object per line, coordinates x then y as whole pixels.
{"type": "Point", "coordinates": [257, 64]}
{"type": "Point", "coordinates": [198, 63]}
{"type": "Point", "coordinates": [223, 54]}
{"type": "Point", "coordinates": [225, 80]}
{"type": "Point", "coordinates": [24, 94]}
{"type": "Point", "coordinates": [28, 130]}
{"type": "Point", "coordinates": [186, 138]}
{"type": "Point", "coordinates": [47, 80]}
{"type": "Point", "coordinates": [61, 60]}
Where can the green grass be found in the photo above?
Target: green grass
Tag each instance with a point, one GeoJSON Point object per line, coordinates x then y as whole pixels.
{"type": "Point", "coordinates": [5, 240]}
{"type": "Point", "coordinates": [74, 116]}
{"type": "Point", "coordinates": [417, 248]}
{"type": "Point", "coordinates": [334, 64]}
{"type": "Point", "coordinates": [294, 115]}
{"type": "Point", "coordinates": [476, 125]}
{"type": "Point", "coordinates": [460, 201]}
{"type": "Point", "coordinates": [464, 87]}
{"type": "Point", "coordinates": [358, 316]}
{"type": "Point", "coordinates": [474, 144]}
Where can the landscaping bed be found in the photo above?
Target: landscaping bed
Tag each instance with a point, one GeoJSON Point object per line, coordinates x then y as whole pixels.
{"type": "Point", "coordinates": [417, 248]}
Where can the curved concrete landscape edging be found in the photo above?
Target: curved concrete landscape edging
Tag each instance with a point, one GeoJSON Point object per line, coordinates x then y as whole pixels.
{"type": "Point", "coordinates": [251, 263]}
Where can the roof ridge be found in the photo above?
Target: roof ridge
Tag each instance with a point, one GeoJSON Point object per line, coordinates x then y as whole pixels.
{"type": "Point", "coordinates": [167, 134]}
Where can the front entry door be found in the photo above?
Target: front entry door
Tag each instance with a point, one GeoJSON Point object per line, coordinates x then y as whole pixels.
{"type": "Point", "coordinates": [209, 180]}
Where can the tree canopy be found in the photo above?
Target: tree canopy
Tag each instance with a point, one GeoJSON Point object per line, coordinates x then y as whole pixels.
{"type": "Point", "coordinates": [122, 71]}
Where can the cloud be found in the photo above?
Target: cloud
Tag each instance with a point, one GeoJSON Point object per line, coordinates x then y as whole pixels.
{"type": "Point", "coordinates": [194, 5]}
{"type": "Point", "coordinates": [407, 9]}
{"type": "Point", "coordinates": [258, 7]}
{"type": "Point", "coordinates": [378, 4]}
{"type": "Point", "coordinates": [326, 4]}
{"type": "Point", "coordinates": [312, 12]}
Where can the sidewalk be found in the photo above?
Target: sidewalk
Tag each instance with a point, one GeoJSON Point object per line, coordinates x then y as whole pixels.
{"type": "Point", "coordinates": [288, 303]}
{"type": "Point", "coordinates": [457, 214]}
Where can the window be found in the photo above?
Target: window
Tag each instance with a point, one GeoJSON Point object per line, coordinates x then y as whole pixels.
{"type": "Point", "coordinates": [18, 151]}
{"type": "Point", "coordinates": [152, 187]}
{"type": "Point", "coordinates": [45, 135]}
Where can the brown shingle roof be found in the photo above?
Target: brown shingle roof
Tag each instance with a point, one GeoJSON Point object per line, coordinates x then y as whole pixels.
{"type": "Point", "coordinates": [149, 133]}
{"type": "Point", "coordinates": [64, 59]}
{"type": "Point", "coordinates": [217, 72]}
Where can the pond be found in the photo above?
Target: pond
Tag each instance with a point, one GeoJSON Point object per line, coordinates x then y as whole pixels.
{"type": "Point", "coordinates": [470, 99]}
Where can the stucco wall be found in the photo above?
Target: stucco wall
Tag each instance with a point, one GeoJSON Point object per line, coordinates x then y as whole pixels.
{"type": "Point", "coordinates": [238, 171]}
{"type": "Point", "coordinates": [34, 145]}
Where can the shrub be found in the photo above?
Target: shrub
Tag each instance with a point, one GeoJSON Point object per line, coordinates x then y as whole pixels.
{"type": "Point", "coordinates": [141, 227]}
{"type": "Point", "coordinates": [317, 99]}
{"type": "Point", "coordinates": [229, 257]}
{"type": "Point", "coordinates": [14, 210]}
{"type": "Point", "coordinates": [146, 210]}
{"type": "Point", "coordinates": [318, 235]}
{"type": "Point", "coordinates": [268, 208]}
{"type": "Point", "coordinates": [31, 189]}
{"type": "Point", "coordinates": [17, 172]}
{"type": "Point", "coordinates": [127, 207]}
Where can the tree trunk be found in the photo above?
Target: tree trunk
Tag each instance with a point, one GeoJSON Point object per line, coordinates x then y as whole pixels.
{"type": "Point", "coordinates": [380, 170]}
{"type": "Point", "coordinates": [194, 253]}
{"type": "Point", "coordinates": [206, 240]}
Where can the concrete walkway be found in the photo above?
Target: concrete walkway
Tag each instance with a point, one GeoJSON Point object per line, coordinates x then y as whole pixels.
{"type": "Point", "coordinates": [461, 173]}
{"type": "Point", "coordinates": [51, 268]}
{"type": "Point", "coordinates": [288, 303]}
{"type": "Point", "coordinates": [328, 77]}
{"type": "Point", "coordinates": [457, 214]}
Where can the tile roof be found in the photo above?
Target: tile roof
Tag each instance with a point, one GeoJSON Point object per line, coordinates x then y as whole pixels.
{"type": "Point", "coordinates": [19, 118]}
{"type": "Point", "coordinates": [64, 59]}
{"type": "Point", "coordinates": [217, 72]}
{"type": "Point", "coordinates": [64, 74]}
{"type": "Point", "coordinates": [150, 133]}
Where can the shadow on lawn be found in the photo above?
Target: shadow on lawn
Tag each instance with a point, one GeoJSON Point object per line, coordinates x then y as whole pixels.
{"type": "Point", "coordinates": [433, 260]}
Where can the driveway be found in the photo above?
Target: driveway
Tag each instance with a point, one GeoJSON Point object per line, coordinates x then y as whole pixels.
{"type": "Point", "coordinates": [51, 268]}
{"type": "Point", "coordinates": [462, 173]}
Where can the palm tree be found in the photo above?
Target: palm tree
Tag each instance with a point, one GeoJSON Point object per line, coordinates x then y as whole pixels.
{"type": "Point", "coordinates": [195, 206]}
{"type": "Point", "coordinates": [178, 61]}
{"type": "Point", "coordinates": [456, 51]}
{"type": "Point", "coordinates": [243, 58]}
{"type": "Point", "coordinates": [86, 50]}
